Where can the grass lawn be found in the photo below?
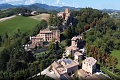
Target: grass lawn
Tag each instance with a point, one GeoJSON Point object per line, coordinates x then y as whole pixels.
{"type": "Point", "coordinates": [19, 22]}
{"type": "Point", "coordinates": [110, 73]}
{"type": "Point", "coordinates": [116, 53]}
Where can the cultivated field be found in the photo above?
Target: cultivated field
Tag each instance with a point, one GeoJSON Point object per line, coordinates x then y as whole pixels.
{"type": "Point", "coordinates": [116, 53]}
{"type": "Point", "coordinates": [19, 22]}
{"type": "Point", "coordinates": [42, 16]}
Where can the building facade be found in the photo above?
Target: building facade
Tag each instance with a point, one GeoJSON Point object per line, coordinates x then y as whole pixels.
{"type": "Point", "coordinates": [49, 35]}
{"type": "Point", "coordinates": [89, 65]}
{"type": "Point", "coordinates": [78, 56]}
{"type": "Point", "coordinates": [45, 35]}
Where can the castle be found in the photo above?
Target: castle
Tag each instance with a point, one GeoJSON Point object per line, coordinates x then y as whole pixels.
{"type": "Point", "coordinates": [64, 15]}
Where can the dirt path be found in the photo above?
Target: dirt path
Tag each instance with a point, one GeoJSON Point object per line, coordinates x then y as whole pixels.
{"type": "Point", "coordinates": [6, 18]}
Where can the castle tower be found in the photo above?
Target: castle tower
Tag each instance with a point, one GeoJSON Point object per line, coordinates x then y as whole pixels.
{"type": "Point", "coordinates": [66, 10]}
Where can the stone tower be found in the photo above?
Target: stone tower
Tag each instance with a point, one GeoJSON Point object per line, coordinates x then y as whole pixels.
{"type": "Point", "coordinates": [66, 10]}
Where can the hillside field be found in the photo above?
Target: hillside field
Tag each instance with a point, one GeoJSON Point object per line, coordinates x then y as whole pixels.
{"type": "Point", "coordinates": [116, 53]}
{"type": "Point", "coordinates": [43, 16]}
{"type": "Point", "coordinates": [19, 22]}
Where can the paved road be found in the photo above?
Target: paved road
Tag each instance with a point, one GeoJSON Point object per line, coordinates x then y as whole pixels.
{"type": "Point", "coordinates": [6, 18]}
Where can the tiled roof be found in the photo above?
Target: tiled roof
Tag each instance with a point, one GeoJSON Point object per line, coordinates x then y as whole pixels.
{"type": "Point", "coordinates": [71, 48]}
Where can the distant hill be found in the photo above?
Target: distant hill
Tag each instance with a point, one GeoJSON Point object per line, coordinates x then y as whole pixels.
{"type": "Point", "coordinates": [6, 6]}
{"type": "Point", "coordinates": [110, 10]}
{"type": "Point", "coordinates": [45, 7]}
{"type": "Point", "coordinates": [38, 7]}
{"type": "Point", "coordinates": [63, 8]}
{"type": "Point", "coordinates": [35, 8]}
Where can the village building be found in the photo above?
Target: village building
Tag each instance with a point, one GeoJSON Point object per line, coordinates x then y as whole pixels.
{"type": "Point", "coordinates": [45, 35]}
{"type": "Point", "coordinates": [78, 56]}
{"type": "Point", "coordinates": [74, 45]}
{"type": "Point", "coordinates": [65, 14]}
{"type": "Point", "coordinates": [49, 35]}
{"type": "Point", "coordinates": [85, 76]}
{"type": "Point", "coordinates": [33, 12]}
{"type": "Point", "coordinates": [71, 50]}
{"type": "Point", "coordinates": [64, 67]}
{"type": "Point", "coordinates": [89, 65]}
{"type": "Point", "coordinates": [74, 40]}
{"type": "Point", "coordinates": [82, 73]}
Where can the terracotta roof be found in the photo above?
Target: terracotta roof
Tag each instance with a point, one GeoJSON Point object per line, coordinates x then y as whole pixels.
{"type": "Point", "coordinates": [58, 68]}
{"type": "Point", "coordinates": [45, 31]}
{"type": "Point", "coordinates": [82, 73]}
{"type": "Point", "coordinates": [31, 46]}
{"type": "Point", "coordinates": [78, 53]}
{"type": "Point", "coordinates": [71, 48]}
{"type": "Point", "coordinates": [76, 37]}
{"type": "Point", "coordinates": [55, 64]}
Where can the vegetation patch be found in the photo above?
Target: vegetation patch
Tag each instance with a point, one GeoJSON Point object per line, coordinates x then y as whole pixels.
{"type": "Point", "coordinates": [110, 73]}
{"type": "Point", "coordinates": [1, 48]}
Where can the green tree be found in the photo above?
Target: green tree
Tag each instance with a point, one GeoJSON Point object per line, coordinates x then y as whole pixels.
{"type": "Point", "coordinates": [0, 40]}
{"type": "Point", "coordinates": [4, 58]}
{"type": "Point", "coordinates": [114, 62]}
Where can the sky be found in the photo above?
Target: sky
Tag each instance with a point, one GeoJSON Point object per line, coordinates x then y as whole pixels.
{"type": "Point", "coordinates": [98, 4]}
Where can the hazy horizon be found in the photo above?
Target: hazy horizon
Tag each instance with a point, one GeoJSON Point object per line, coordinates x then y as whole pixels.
{"type": "Point", "coordinates": [101, 4]}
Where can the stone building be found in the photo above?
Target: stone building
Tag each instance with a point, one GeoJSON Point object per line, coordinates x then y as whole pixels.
{"type": "Point", "coordinates": [64, 67]}
{"type": "Point", "coordinates": [65, 14]}
{"type": "Point", "coordinates": [78, 56]}
{"type": "Point", "coordinates": [48, 35]}
{"type": "Point", "coordinates": [89, 65]}
{"type": "Point", "coordinates": [44, 36]}
{"type": "Point", "coordinates": [74, 45]}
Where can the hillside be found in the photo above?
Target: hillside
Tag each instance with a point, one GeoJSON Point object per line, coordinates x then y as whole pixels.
{"type": "Point", "coordinates": [42, 16]}
{"type": "Point", "coordinates": [5, 6]}
{"type": "Point", "coordinates": [19, 22]}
